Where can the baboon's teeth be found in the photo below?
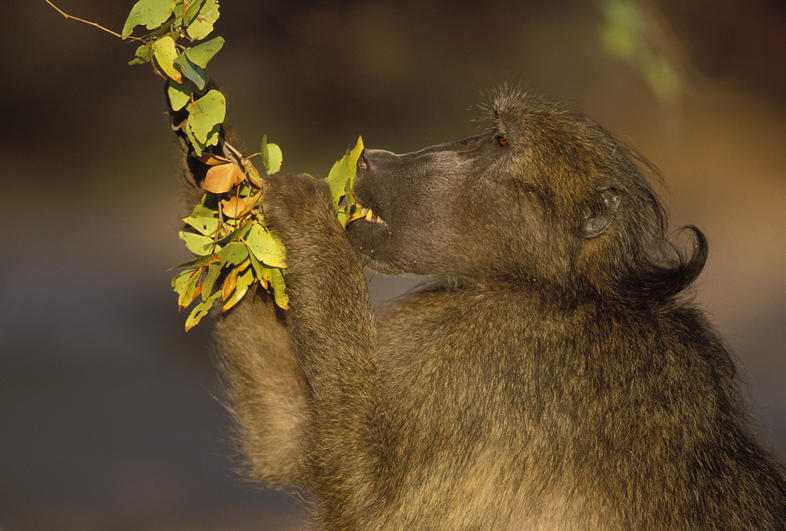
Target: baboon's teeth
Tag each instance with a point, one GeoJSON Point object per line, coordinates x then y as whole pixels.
{"type": "Point", "coordinates": [361, 212]}
{"type": "Point", "coordinates": [373, 218]}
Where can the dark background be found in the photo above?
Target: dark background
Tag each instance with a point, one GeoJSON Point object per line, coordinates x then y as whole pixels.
{"type": "Point", "coordinates": [107, 411]}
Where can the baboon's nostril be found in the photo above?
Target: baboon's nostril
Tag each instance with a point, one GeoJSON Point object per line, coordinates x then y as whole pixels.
{"type": "Point", "coordinates": [362, 161]}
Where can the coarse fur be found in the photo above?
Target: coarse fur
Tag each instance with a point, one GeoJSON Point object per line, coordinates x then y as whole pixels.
{"type": "Point", "coordinates": [552, 377]}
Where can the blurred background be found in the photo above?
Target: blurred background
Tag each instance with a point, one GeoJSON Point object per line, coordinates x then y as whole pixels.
{"type": "Point", "coordinates": [107, 412]}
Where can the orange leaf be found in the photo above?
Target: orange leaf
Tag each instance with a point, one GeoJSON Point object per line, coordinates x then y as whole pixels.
{"type": "Point", "coordinates": [222, 178]}
{"type": "Point", "coordinates": [252, 201]}
{"type": "Point", "coordinates": [229, 284]}
{"type": "Point", "coordinates": [234, 207]}
{"type": "Point", "coordinates": [213, 160]}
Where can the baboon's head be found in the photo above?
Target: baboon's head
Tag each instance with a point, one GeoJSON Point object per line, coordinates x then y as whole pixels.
{"type": "Point", "coordinates": [544, 194]}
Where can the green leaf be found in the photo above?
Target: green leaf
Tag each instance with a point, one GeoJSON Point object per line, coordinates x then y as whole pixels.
{"type": "Point", "coordinates": [210, 280]}
{"type": "Point", "coordinates": [201, 54]}
{"type": "Point", "coordinates": [179, 9]}
{"type": "Point", "coordinates": [266, 246]}
{"type": "Point", "coordinates": [264, 154]}
{"type": "Point", "coordinates": [342, 175]}
{"type": "Point", "coordinates": [179, 280]}
{"type": "Point", "coordinates": [272, 158]}
{"type": "Point", "coordinates": [165, 53]}
{"type": "Point", "coordinates": [193, 10]}
{"type": "Point", "coordinates": [233, 253]}
{"type": "Point", "coordinates": [212, 138]}
{"type": "Point", "coordinates": [337, 181]}
{"type": "Point", "coordinates": [201, 25]}
{"type": "Point", "coordinates": [198, 262]}
{"type": "Point", "coordinates": [236, 234]}
{"type": "Point", "coordinates": [201, 310]}
{"type": "Point", "coordinates": [187, 291]}
{"type": "Point", "coordinates": [204, 220]}
{"type": "Point", "coordinates": [150, 13]}
{"type": "Point", "coordinates": [179, 94]}
{"type": "Point", "coordinates": [196, 243]}
{"type": "Point", "coordinates": [352, 164]}
{"type": "Point", "coordinates": [342, 217]}
{"type": "Point", "coordinates": [196, 144]}
{"type": "Point", "coordinates": [258, 269]}
{"type": "Point", "coordinates": [278, 286]}
{"type": "Point", "coordinates": [206, 115]}
{"type": "Point", "coordinates": [191, 71]}
{"type": "Point", "coordinates": [142, 55]}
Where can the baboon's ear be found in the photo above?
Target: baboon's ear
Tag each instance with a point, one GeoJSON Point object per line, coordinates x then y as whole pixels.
{"type": "Point", "coordinates": [600, 212]}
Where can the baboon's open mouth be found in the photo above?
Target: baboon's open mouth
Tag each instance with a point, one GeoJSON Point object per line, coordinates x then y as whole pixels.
{"type": "Point", "coordinates": [361, 212]}
{"type": "Point", "coordinates": [357, 211]}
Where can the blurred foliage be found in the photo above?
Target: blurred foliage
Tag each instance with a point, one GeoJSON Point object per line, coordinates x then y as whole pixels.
{"type": "Point", "coordinates": [623, 34]}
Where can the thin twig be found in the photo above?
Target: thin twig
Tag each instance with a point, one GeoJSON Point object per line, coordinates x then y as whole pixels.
{"type": "Point", "coordinates": [89, 23]}
{"type": "Point", "coordinates": [238, 156]}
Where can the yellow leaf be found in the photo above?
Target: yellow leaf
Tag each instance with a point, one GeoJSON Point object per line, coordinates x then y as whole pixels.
{"type": "Point", "coordinates": [165, 53]}
{"type": "Point", "coordinates": [222, 178]}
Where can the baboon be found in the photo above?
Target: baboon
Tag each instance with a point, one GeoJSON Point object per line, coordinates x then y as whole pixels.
{"type": "Point", "coordinates": [551, 375]}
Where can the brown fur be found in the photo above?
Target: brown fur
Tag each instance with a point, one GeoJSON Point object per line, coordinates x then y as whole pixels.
{"type": "Point", "coordinates": [553, 377]}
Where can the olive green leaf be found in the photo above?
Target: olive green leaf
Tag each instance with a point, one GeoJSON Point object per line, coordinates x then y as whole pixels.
{"type": "Point", "coordinates": [272, 158]}
{"type": "Point", "coordinates": [196, 243]}
{"type": "Point", "coordinates": [258, 270]}
{"type": "Point", "coordinates": [266, 246]}
{"type": "Point", "coordinates": [179, 94]}
{"type": "Point", "coordinates": [165, 53]}
{"type": "Point", "coordinates": [149, 13]}
{"type": "Point", "coordinates": [342, 175]}
{"type": "Point", "coordinates": [179, 9]}
{"type": "Point", "coordinates": [236, 234]}
{"type": "Point", "coordinates": [188, 289]}
{"type": "Point", "coordinates": [278, 286]}
{"type": "Point", "coordinates": [205, 116]}
{"type": "Point", "coordinates": [201, 54]}
{"type": "Point", "coordinates": [210, 280]}
{"type": "Point", "coordinates": [233, 253]}
{"type": "Point", "coordinates": [201, 310]}
{"type": "Point", "coordinates": [142, 55]}
{"type": "Point", "coordinates": [204, 220]}
{"type": "Point", "coordinates": [264, 154]}
{"type": "Point", "coordinates": [201, 25]}
{"type": "Point", "coordinates": [179, 280]}
{"type": "Point", "coordinates": [191, 71]}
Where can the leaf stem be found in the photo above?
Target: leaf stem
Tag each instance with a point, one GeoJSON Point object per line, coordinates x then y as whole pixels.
{"type": "Point", "coordinates": [89, 23]}
{"type": "Point", "coordinates": [238, 156]}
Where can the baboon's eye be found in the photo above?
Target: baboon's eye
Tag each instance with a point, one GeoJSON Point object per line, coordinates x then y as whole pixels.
{"type": "Point", "coordinates": [502, 141]}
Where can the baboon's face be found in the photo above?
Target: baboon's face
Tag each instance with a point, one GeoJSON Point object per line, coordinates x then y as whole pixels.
{"type": "Point", "coordinates": [517, 201]}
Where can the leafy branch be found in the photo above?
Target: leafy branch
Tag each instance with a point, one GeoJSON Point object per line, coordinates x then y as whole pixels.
{"type": "Point", "coordinates": [234, 250]}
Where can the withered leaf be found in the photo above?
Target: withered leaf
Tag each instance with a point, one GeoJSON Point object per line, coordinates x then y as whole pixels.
{"type": "Point", "coordinates": [234, 207]}
{"type": "Point", "coordinates": [222, 178]}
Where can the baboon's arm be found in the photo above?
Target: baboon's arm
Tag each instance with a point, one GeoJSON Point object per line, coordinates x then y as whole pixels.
{"type": "Point", "coordinates": [265, 392]}
{"type": "Point", "coordinates": [333, 331]}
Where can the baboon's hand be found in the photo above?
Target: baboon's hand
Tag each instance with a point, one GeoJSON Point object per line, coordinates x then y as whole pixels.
{"type": "Point", "coordinates": [296, 205]}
